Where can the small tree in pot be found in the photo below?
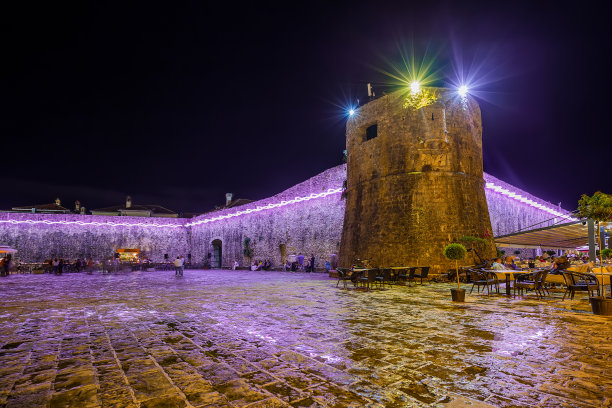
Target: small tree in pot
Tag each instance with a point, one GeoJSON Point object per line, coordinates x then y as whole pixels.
{"type": "Point", "coordinates": [456, 252]}
{"type": "Point", "coordinates": [598, 207]}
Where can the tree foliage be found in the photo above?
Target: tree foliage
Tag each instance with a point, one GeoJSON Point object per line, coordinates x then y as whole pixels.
{"type": "Point", "coordinates": [598, 207]}
{"type": "Point", "coordinates": [455, 251]}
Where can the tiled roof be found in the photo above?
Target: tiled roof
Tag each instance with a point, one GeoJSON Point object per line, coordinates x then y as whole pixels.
{"type": "Point", "coordinates": [42, 207]}
{"type": "Point", "coordinates": [156, 209]}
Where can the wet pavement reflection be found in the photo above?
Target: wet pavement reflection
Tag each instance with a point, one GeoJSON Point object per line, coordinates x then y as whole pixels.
{"type": "Point", "coordinates": [277, 339]}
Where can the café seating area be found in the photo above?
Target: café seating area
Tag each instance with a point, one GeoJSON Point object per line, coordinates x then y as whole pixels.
{"type": "Point", "coordinates": [366, 278]}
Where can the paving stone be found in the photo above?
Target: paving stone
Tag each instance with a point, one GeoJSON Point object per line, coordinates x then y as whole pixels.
{"type": "Point", "coordinates": [223, 338]}
{"type": "Point", "coordinates": [164, 401]}
{"type": "Point", "coordinates": [81, 397]}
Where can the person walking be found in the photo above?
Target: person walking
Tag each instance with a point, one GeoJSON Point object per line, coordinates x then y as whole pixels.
{"type": "Point", "coordinates": [55, 265]}
{"type": "Point", "coordinates": [182, 265]}
{"type": "Point", "coordinates": [177, 265]}
{"type": "Point", "coordinates": [6, 264]}
{"type": "Point", "coordinates": [312, 263]}
{"type": "Point", "coordinates": [301, 262]}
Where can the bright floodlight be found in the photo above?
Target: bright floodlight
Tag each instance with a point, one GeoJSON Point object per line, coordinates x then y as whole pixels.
{"type": "Point", "coordinates": [463, 90]}
{"type": "Point", "coordinates": [351, 112]}
{"type": "Point", "coordinates": [415, 87]}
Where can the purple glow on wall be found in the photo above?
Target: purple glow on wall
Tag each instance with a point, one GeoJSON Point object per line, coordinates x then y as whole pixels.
{"type": "Point", "coordinates": [270, 206]}
{"type": "Point", "coordinates": [180, 223]}
{"type": "Point", "coordinates": [92, 223]}
{"type": "Point", "coordinates": [518, 197]}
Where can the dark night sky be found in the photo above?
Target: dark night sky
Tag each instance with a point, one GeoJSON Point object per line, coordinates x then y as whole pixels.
{"type": "Point", "coordinates": [181, 103]}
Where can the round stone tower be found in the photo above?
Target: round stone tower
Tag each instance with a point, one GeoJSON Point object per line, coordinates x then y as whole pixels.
{"type": "Point", "coordinates": [414, 180]}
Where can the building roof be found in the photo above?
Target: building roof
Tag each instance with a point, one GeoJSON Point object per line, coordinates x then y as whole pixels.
{"type": "Point", "coordinates": [238, 202]}
{"type": "Point", "coordinates": [52, 207]}
{"type": "Point", "coordinates": [157, 209]}
{"type": "Point", "coordinates": [568, 235]}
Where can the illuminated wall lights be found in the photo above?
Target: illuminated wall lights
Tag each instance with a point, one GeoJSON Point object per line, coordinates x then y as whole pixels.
{"type": "Point", "coordinates": [528, 201]}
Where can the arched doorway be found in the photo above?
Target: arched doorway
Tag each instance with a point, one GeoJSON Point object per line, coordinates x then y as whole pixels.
{"type": "Point", "coordinates": [217, 254]}
{"type": "Point", "coordinates": [283, 253]}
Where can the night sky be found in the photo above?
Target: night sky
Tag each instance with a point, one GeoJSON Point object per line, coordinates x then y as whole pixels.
{"type": "Point", "coordinates": [177, 104]}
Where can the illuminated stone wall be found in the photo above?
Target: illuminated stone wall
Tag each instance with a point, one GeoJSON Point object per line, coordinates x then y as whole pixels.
{"type": "Point", "coordinates": [63, 237]}
{"type": "Point", "coordinates": [417, 185]}
{"type": "Point", "coordinates": [509, 215]}
{"type": "Point", "coordinates": [309, 227]}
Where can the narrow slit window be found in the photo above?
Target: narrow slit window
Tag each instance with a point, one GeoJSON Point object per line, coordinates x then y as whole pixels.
{"type": "Point", "coordinates": [372, 131]}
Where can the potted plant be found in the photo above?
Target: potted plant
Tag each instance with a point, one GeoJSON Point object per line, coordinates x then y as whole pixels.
{"type": "Point", "coordinates": [456, 252]}
{"type": "Point", "coordinates": [598, 207]}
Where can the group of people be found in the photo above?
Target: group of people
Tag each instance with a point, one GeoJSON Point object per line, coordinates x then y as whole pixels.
{"type": "Point", "coordinates": [555, 264]}
{"type": "Point", "coordinates": [264, 265]}
{"type": "Point", "coordinates": [300, 264]}
{"type": "Point", "coordinates": [59, 264]}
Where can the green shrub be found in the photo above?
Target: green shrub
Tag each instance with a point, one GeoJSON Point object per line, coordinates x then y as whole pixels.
{"type": "Point", "coordinates": [454, 251]}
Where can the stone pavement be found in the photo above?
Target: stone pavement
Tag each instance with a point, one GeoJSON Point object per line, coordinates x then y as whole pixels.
{"type": "Point", "coordinates": [277, 339]}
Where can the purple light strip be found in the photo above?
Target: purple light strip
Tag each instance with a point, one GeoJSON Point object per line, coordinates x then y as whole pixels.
{"type": "Point", "coordinates": [518, 197]}
{"type": "Point", "coordinates": [268, 206]}
{"type": "Point", "coordinates": [93, 223]}
{"type": "Point", "coordinates": [204, 221]}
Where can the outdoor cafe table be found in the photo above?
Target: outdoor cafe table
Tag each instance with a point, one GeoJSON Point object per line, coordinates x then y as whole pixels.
{"type": "Point", "coordinates": [507, 274]}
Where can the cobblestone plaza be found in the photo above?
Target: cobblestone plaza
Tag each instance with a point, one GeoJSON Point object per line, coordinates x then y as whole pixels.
{"type": "Point", "coordinates": [274, 339]}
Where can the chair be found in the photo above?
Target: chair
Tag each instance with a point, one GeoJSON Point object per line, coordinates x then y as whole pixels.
{"type": "Point", "coordinates": [534, 281]}
{"type": "Point", "coordinates": [407, 274]}
{"type": "Point", "coordinates": [492, 280]}
{"type": "Point", "coordinates": [479, 278]}
{"type": "Point", "coordinates": [344, 275]}
{"type": "Point", "coordinates": [384, 275]}
{"type": "Point", "coordinates": [369, 278]}
{"type": "Point", "coordinates": [423, 274]}
{"type": "Point", "coordinates": [575, 281]}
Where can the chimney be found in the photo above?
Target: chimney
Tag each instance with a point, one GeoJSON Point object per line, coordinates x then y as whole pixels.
{"type": "Point", "coordinates": [128, 202]}
{"type": "Point", "coordinates": [77, 206]}
{"type": "Point", "coordinates": [228, 199]}
{"type": "Point", "coordinates": [57, 201]}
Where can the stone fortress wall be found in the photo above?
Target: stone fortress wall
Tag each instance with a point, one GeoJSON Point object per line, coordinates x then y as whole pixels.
{"type": "Point", "coordinates": [308, 226]}
{"type": "Point", "coordinates": [38, 237]}
{"type": "Point", "coordinates": [415, 180]}
{"type": "Point", "coordinates": [312, 226]}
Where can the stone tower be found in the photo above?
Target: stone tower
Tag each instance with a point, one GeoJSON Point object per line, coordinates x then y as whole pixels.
{"type": "Point", "coordinates": [414, 181]}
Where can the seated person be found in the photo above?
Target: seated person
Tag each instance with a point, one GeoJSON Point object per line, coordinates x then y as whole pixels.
{"type": "Point", "coordinates": [509, 263]}
{"type": "Point", "coordinates": [497, 264]}
{"type": "Point", "coordinates": [560, 264]}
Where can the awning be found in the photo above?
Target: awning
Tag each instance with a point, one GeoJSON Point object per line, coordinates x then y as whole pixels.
{"type": "Point", "coordinates": [562, 236]}
{"type": "Point", "coordinates": [7, 250]}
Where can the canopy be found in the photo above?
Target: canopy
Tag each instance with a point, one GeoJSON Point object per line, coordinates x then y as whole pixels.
{"type": "Point", "coordinates": [7, 250]}
{"type": "Point", "coordinates": [562, 236]}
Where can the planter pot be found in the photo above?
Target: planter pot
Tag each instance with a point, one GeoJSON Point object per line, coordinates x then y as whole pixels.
{"type": "Point", "coordinates": [601, 306]}
{"type": "Point", "coordinates": [458, 295]}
